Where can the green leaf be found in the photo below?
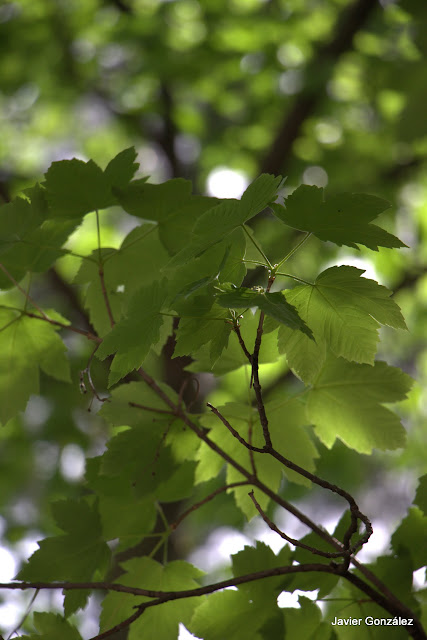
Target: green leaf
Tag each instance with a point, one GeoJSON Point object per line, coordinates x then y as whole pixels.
{"type": "Point", "coordinates": [273, 305]}
{"type": "Point", "coordinates": [421, 495]}
{"type": "Point", "coordinates": [263, 592]}
{"type": "Point", "coordinates": [306, 622]}
{"type": "Point", "coordinates": [51, 626]}
{"type": "Point", "coordinates": [227, 614]}
{"type": "Point", "coordinates": [343, 219]}
{"type": "Point", "coordinates": [121, 169]}
{"type": "Point", "coordinates": [346, 402]}
{"type": "Point", "coordinates": [160, 622]}
{"type": "Point", "coordinates": [233, 357]}
{"type": "Point", "coordinates": [344, 311]}
{"type": "Point", "coordinates": [410, 538]}
{"type": "Point", "coordinates": [132, 337]}
{"type": "Point", "coordinates": [27, 345]}
{"type": "Point", "coordinates": [124, 515]}
{"type": "Point", "coordinates": [73, 556]}
{"type": "Point", "coordinates": [218, 222]}
{"type": "Point", "coordinates": [270, 471]}
{"type": "Point", "coordinates": [125, 271]}
{"type": "Point", "coordinates": [286, 419]}
{"type": "Point", "coordinates": [75, 188]}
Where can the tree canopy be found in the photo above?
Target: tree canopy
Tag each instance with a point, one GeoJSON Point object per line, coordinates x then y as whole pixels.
{"type": "Point", "coordinates": [212, 274]}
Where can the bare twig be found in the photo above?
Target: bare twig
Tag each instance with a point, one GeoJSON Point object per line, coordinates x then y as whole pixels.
{"type": "Point", "coordinates": [233, 431]}
{"type": "Point", "coordinates": [296, 543]}
{"type": "Point", "coordinates": [255, 373]}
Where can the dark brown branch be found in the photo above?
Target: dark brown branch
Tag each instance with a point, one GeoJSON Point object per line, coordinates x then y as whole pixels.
{"type": "Point", "coordinates": [324, 59]}
{"type": "Point", "coordinates": [386, 601]}
{"type": "Point", "coordinates": [255, 374]}
{"type": "Point", "coordinates": [241, 341]}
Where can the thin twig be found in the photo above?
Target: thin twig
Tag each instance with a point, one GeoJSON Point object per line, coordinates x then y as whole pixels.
{"type": "Point", "coordinates": [205, 500]}
{"type": "Point", "coordinates": [296, 543]}
{"type": "Point", "coordinates": [233, 431]}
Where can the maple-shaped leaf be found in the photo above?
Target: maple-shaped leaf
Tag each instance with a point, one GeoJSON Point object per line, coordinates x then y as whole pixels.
{"type": "Point", "coordinates": [343, 219]}
{"type": "Point", "coordinates": [27, 345]}
{"type": "Point", "coordinates": [274, 305]}
{"type": "Point", "coordinates": [74, 555]}
{"type": "Point", "coordinates": [52, 626]}
{"type": "Point", "coordinates": [344, 311]}
{"type": "Point", "coordinates": [346, 402]}
{"type": "Point", "coordinates": [218, 222]}
{"type": "Point", "coordinates": [160, 622]}
{"type": "Point", "coordinates": [132, 337]}
{"type": "Point", "coordinates": [75, 188]}
{"type": "Point", "coordinates": [228, 614]}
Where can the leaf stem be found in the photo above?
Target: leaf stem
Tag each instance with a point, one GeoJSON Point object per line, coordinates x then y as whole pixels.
{"type": "Point", "coordinates": [289, 275]}
{"type": "Point", "coordinates": [292, 251]}
{"type": "Point", "coordinates": [257, 246]}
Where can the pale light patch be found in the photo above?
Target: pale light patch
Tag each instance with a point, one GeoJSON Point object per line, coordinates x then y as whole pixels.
{"type": "Point", "coordinates": [219, 547]}
{"type": "Point", "coordinates": [223, 182]}
{"type": "Point", "coordinates": [7, 565]}
{"type": "Point", "coordinates": [287, 600]}
{"type": "Point", "coordinates": [184, 634]}
{"type": "Point", "coordinates": [72, 462]}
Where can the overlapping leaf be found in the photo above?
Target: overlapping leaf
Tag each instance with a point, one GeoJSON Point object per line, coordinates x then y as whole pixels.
{"type": "Point", "coordinates": [160, 622]}
{"type": "Point", "coordinates": [28, 240]}
{"type": "Point", "coordinates": [27, 345]}
{"type": "Point", "coordinates": [346, 402]}
{"type": "Point", "coordinates": [232, 356]}
{"type": "Point", "coordinates": [125, 271]}
{"type": "Point", "coordinates": [272, 304]}
{"type": "Point", "coordinates": [75, 188]}
{"type": "Point", "coordinates": [344, 311]}
{"type": "Point", "coordinates": [132, 338]}
{"type": "Point", "coordinates": [343, 219]}
{"type": "Point", "coordinates": [216, 223]}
